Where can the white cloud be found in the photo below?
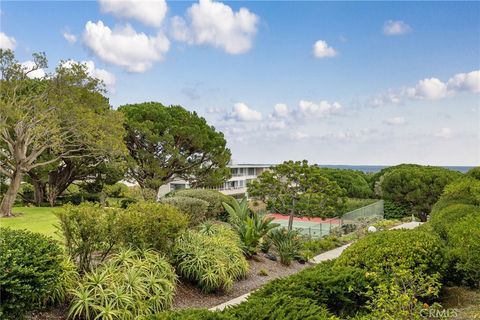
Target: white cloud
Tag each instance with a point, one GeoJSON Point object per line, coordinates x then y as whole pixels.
{"type": "Point", "coordinates": [241, 112]}
{"type": "Point", "coordinates": [108, 78]}
{"type": "Point", "coordinates": [124, 47]}
{"type": "Point", "coordinates": [321, 49]}
{"type": "Point", "coordinates": [395, 28]}
{"type": "Point", "coordinates": [276, 125]}
{"type": "Point", "coordinates": [430, 89]}
{"type": "Point", "coordinates": [322, 109]}
{"type": "Point", "coordinates": [395, 121]}
{"type": "Point", "coordinates": [298, 135]}
{"type": "Point", "coordinates": [444, 133]}
{"type": "Point", "coordinates": [469, 82]}
{"type": "Point", "coordinates": [214, 23]}
{"type": "Point", "coordinates": [36, 74]}
{"type": "Point", "coordinates": [71, 38]}
{"type": "Point", "coordinates": [151, 12]}
{"type": "Point", "coordinates": [280, 110]}
{"type": "Point", "coordinates": [7, 42]}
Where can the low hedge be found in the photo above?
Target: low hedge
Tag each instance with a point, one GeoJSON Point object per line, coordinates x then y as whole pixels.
{"type": "Point", "coordinates": [196, 209]}
{"type": "Point", "coordinates": [190, 314]}
{"type": "Point", "coordinates": [461, 191]}
{"type": "Point", "coordinates": [340, 288]}
{"type": "Point", "coordinates": [280, 307]}
{"type": "Point", "coordinates": [416, 250]}
{"type": "Point", "coordinates": [213, 197]}
{"type": "Point", "coordinates": [31, 271]}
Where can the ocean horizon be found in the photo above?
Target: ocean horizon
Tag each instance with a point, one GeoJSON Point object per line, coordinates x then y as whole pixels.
{"type": "Point", "coordinates": [377, 168]}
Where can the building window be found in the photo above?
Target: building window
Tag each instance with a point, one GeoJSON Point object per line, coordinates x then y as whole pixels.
{"type": "Point", "coordinates": [251, 171]}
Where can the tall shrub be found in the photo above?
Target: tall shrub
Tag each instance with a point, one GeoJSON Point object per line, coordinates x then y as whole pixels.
{"type": "Point", "coordinates": [150, 225]}
{"type": "Point", "coordinates": [195, 209]}
{"type": "Point", "coordinates": [213, 197]}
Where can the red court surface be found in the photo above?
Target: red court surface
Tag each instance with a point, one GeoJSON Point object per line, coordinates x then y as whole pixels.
{"type": "Point", "coordinates": [278, 216]}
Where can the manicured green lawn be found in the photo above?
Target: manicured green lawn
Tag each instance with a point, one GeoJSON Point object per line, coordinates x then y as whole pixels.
{"type": "Point", "coordinates": [40, 220]}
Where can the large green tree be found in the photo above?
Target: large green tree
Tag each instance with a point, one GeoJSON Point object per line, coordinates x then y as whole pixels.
{"type": "Point", "coordinates": [46, 116]}
{"type": "Point", "coordinates": [416, 187]}
{"type": "Point", "coordinates": [298, 189]}
{"type": "Point", "coordinates": [354, 182]}
{"type": "Point", "coordinates": [171, 142]}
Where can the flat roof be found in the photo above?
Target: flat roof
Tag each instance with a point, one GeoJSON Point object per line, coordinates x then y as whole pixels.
{"type": "Point", "coordinates": [249, 165]}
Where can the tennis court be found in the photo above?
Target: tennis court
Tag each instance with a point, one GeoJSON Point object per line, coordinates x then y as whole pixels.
{"type": "Point", "coordinates": [313, 227]}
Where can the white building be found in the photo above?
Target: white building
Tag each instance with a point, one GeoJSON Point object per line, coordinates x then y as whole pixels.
{"type": "Point", "coordinates": [242, 174]}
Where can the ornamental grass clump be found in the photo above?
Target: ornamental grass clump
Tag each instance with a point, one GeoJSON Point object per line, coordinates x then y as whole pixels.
{"type": "Point", "coordinates": [211, 257]}
{"type": "Point", "coordinates": [129, 285]}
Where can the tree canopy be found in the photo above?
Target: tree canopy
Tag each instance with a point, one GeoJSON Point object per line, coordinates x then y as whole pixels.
{"type": "Point", "coordinates": [298, 189]}
{"type": "Point", "coordinates": [417, 187]}
{"type": "Point", "coordinates": [45, 120]}
{"type": "Point", "coordinates": [353, 181]}
{"type": "Point", "coordinates": [168, 142]}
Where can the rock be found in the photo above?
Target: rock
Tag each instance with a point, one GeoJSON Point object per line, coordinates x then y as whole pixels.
{"type": "Point", "coordinates": [271, 256]}
{"type": "Point", "coordinates": [372, 229]}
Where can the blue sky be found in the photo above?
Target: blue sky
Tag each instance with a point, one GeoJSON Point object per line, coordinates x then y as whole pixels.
{"type": "Point", "coordinates": [331, 82]}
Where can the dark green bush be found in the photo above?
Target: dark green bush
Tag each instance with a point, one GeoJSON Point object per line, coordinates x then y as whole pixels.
{"type": "Point", "coordinates": [442, 220]}
{"type": "Point", "coordinates": [317, 246]}
{"type": "Point", "coordinates": [210, 257]}
{"type": "Point", "coordinates": [462, 191]}
{"type": "Point", "coordinates": [124, 203]}
{"type": "Point", "coordinates": [415, 250]}
{"type": "Point", "coordinates": [191, 314]}
{"type": "Point", "coordinates": [474, 173]}
{"type": "Point", "coordinates": [393, 210]}
{"type": "Point", "coordinates": [341, 289]}
{"type": "Point", "coordinates": [31, 269]}
{"type": "Point", "coordinates": [117, 190]}
{"type": "Point", "coordinates": [352, 181]}
{"type": "Point", "coordinates": [196, 209]}
{"type": "Point", "coordinates": [150, 225]}
{"type": "Point", "coordinates": [213, 197]}
{"type": "Point", "coordinates": [279, 307]}
{"type": "Point", "coordinates": [87, 229]}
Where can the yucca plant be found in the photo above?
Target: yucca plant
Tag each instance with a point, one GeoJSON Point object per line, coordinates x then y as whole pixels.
{"type": "Point", "coordinates": [250, 226]}
{"type": "Point", "coordinates": [287, 244]}
{"type": "Point", "coordinates": [130, 285]}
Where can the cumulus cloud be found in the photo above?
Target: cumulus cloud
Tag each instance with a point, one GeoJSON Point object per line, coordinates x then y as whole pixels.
{"type": "Point", "coordinates": [108, 78]}
{"type": "Point", "coordinates": [151, 12]}
{"type": "Point", "coordinates": [71, 38]}
{"type": "Point", "coordinates": [321, 49]}
{"type": "Point", "coordinates": [469, 82]}
{"type": "Point", "coordinates": [395, 121]}
{"type": "Point", "coordinates": [124, 47]}
{"type": "Point", "coordinates": [444, 133]}
{"type": "Point", "coordinates": [322, 109]}
{"type": "Point", "coordinates": [29, 67]}
{"type": "Point", "coordinates": [7, 42]}
{"type": "Point", "coordinates": [241, 112]}
{"type": "Point", "coordinates": [280, 110]}
{"type": "Point", "coordinates": [430, 89]}
{"type": "Point", "coordinates": [216, 24]}
{"type": "Point", "coordinates": [395, 28]}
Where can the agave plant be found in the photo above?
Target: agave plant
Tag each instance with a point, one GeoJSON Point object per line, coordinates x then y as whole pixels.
{"type": "Point", "coordinates": [250, 226]}
{"type": "Point", "coordinates": [287, 244]}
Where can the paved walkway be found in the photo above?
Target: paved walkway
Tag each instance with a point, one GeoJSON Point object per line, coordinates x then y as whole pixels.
{"type": "Point", "coordinates": [327, 255]}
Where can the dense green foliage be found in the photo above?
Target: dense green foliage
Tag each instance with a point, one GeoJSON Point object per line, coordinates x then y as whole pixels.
{"type": "Point", "coordinates": [214, 198]}
{"type": "Point", "coordinates": [341, 288]}
{"type": "Point", "coordinates": [312, 247]}
{"type": "Point", "coordinates": [150, 225]}
{"type": "Point", "coordinates": [456, 218]}
{"type": "Point", "coordinates": [474, 173]}
{"type": "Point", "coordinates": [211, 257]}
{"type": "Point", "coordinates": [416, 187]}
{"type": "Point", "coordinates": [167, 142]}
{"type": "Point", "coordinates": [129, 285]}
{"type": "Point", "coordinates": [32, 271]}
{"type": "Point", "coordinates": [87, 229]}
{"type": "Point", "coordinates": [195, 209]}
{"type": "Point", "coordinates": [393, 210]}
{"type": "Point", "coordinates": [298, 189]}
{"type": "Point", "coordinates": [191, 314]}
{"type": "Point", "coordinates": [353, 182]}
{"type": "Point", "coordinates": [251, 226]}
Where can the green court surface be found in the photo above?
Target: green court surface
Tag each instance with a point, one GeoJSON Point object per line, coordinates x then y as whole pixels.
{"type": "Point", "coordinates": [36, 219]}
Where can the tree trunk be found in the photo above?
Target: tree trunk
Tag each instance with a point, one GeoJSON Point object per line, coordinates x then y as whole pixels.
{"type": "Point", "coordinates": [9, 197]}
{"type": "Point", "coordinates": [38, 192]}
{"type": "Point", "coordinates": [290, 218]}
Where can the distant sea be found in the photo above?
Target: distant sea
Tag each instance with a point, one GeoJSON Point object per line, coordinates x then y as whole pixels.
{"type": "Point", "coordinates": [374, 169]}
